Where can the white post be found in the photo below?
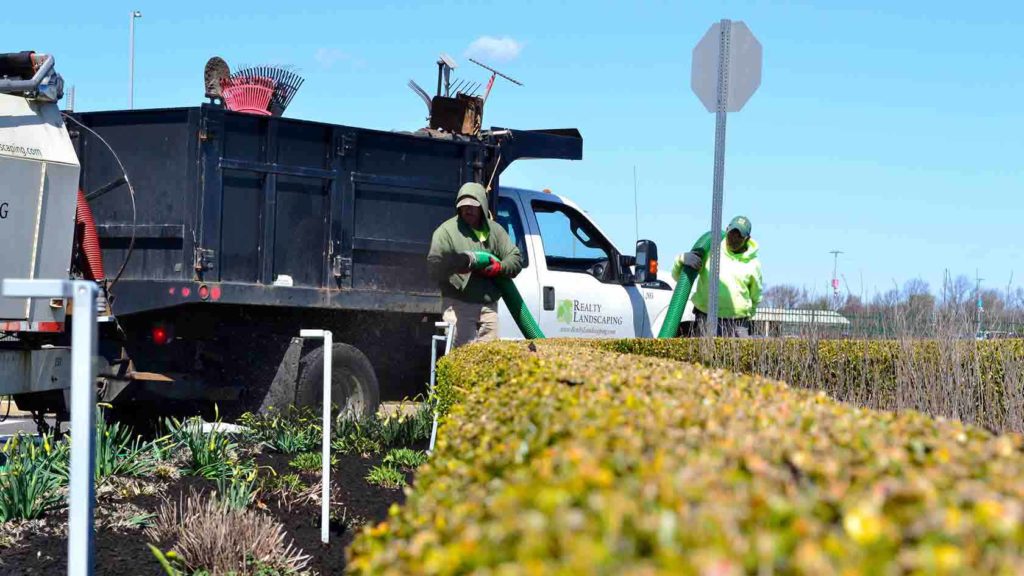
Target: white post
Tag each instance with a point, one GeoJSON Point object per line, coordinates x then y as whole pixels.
{"type": "Point", "coordinates": [325, 447]}
{"type": "Point", "coordinates": [447, 339]}
{"type": "Point", "coordinates": [83, 408]}
{"type": "Point", "coordinates": [83, 429]}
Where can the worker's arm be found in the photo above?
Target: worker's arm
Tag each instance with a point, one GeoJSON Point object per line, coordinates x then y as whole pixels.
{"type": "Point", "coordinates": [754, 288]}
{"type": "Point", "coordinates": [442, 261]}
{"type": "Point", "coordinates": [693, 259]}
{"type": "Point", "coordinates": [507, 252]}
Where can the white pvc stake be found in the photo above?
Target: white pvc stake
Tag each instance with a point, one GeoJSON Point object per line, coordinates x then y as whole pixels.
{"type": "Point", "coordinates": [83, 409]}
{"type": "Point", "coordinates": [325, 448]}
{"type": "Point", "coordinates": [447, 339]}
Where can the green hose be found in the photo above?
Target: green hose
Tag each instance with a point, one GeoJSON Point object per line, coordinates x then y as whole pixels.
{"type": "Point", "coordinates": [480, 259]}
{"type": "Point", "coordinates": [681, 294]}
{"type": "Point", "coordinates": [517, 308]}
{"type": "Point", "coordinates": [510, 294]}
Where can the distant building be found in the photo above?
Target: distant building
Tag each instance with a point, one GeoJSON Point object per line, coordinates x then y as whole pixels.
{"type": "Point", "coordinates": [786, 322]}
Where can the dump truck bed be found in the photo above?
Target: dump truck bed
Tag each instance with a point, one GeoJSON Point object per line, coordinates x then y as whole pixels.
{"type": "Point", "coordinates": [245, 209]}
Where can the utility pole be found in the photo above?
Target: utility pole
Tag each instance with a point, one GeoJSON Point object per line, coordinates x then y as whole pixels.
{"type": "Point", "coordinates": [131, 58]}
{"type": "Point", "coordinates": [835, 276]}
{"type": "Point", "coordinates": [945, 282]}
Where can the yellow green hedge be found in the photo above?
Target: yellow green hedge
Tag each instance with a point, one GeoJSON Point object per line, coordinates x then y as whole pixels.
{"type": "Point", "coordinates": [978, 382]}
{"type": "Point", "coordinates": [573, 460]}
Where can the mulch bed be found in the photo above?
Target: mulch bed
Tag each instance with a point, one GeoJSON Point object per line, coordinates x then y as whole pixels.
{"type": "Point", "coordinates": [39, 547]}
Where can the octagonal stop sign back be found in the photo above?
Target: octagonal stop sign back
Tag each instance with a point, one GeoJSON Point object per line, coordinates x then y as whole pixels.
{"type": "Point", "coordinates": [744, 67]}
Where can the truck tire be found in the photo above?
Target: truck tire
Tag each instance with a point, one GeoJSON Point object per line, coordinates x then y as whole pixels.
{"type": "Point", "coordinates": [354, 387]}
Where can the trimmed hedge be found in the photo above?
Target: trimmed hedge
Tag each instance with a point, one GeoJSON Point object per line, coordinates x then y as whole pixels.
{"type": "Point", "coordinates": [980, 383]}
{"type": "Point", "coordinates": [569, 459]}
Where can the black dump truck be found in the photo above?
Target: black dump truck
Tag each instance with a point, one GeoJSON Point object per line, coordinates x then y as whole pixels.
{"type": "Point", "coordinates": [239, 230]}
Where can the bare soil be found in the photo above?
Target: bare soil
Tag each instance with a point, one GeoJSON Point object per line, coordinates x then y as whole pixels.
{"type": "Point", "coordinates": [39, 547]}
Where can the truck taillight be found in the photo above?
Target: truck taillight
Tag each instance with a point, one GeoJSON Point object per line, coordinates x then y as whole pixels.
{"type": "Point", "coordinates": [161, 335]}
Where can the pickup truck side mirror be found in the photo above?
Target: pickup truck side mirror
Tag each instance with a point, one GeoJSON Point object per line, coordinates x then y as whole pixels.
{"type": "Point", "coordinates": [646, 268]}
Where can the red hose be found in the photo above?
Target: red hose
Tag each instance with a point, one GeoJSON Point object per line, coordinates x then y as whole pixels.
{"type": "Point", "coordinates": [89, 240]}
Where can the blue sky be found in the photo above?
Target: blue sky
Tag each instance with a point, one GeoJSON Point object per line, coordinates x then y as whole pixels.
{"type": "Point", "coordinates": [888, 130]}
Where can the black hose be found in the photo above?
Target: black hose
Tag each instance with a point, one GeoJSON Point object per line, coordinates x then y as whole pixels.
{"type": "Point", "coordinates": [131, 192]}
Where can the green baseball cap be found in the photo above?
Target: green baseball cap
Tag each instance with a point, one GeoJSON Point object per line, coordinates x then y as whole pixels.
{"type": "Point", "coordinates": [741, 224]}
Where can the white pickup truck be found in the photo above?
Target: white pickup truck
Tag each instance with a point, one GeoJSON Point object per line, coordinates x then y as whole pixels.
{"type": "Point", "coordinates": [575, 281]}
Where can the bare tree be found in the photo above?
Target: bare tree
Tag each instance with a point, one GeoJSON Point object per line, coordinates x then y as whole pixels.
{"type": "Point", "coordinates": [959, 292]}
{"type": "Point", "coordinates": [853, 306]}
{"type": "Point", "coordinates": [918, 305]}
{"type": "Point", "coordinates": [784, 296]}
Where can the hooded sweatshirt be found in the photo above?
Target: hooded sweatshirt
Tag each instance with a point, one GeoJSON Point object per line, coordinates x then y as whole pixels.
{"type": "Point", "coordinates": [447, 264]}
{"type": "Point", "coordinates": [739, 287]}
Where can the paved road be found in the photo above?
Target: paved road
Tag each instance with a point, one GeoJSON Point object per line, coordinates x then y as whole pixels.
{"type": "Point", "coordinates": [14, 425]}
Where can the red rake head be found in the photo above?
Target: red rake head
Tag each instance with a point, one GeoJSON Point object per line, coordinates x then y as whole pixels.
{"type": "Point", "coordinates": [248, 80]}
{"type": "Point", "coordinates": [248, 98]}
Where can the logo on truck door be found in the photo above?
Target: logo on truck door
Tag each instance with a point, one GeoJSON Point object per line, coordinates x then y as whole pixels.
{"type": "Point", "coordinates": [564, 312]}
{"type": "Point", "coordinates": [585, 317]}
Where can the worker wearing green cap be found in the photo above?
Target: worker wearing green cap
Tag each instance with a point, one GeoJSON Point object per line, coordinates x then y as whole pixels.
{"type": "Point", "coordinates": [467, 253]}
{"type": "Point", "coordinates": [739, 288]}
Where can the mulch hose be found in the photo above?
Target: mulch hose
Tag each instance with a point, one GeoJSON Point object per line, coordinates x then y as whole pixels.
{"type": "Point", "coordinates": [520, 312]}
{"type": "Point", "coordinates": [670, 328]}
{"type": "Point", "coordinates": [510, 294]}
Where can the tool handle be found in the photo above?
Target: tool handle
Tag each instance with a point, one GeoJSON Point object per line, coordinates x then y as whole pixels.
{"type": "Point", "coordinates": [30, 85]}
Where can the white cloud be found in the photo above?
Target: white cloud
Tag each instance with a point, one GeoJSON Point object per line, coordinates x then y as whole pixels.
{"type": "Point", "coordinates": [328, 57]}
{"type": "Point", "coordinates": [491, 49]}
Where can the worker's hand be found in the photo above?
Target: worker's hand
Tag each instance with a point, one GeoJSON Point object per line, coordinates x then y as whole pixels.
{"type": "Point", "coordinates": [467, 264]}
{"type": "Point", "coordinates": [492, 270]}
{"type": "Point", "coordinates": [691, 260]}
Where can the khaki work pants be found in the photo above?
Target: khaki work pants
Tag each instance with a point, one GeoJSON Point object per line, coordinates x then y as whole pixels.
{"type": "Point", "coordinates": [727, 327]}
{"type": "Point", "coordinates": [471, 322]}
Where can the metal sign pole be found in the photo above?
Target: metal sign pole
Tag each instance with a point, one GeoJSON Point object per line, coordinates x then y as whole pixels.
{"type": "Point", "coordinates": [83, 409]}
{"type": "Point", "coordinates": [726, 72]}
{"type": "Point", "coordinates": [718, 187]}
{"type": "Point", "coordinates": [325, 447]}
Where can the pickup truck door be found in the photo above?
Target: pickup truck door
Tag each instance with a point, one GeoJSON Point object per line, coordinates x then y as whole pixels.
{"type": "Point", "coordinates": [580, 291]}
{"type": "Point", "coordinates": [509, 216]}
{"type": "Point", "coordinates": [653, 304]}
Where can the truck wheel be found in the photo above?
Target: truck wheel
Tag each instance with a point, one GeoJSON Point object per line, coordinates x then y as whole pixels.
{"type": "Point", "coordinates": [354, 388]}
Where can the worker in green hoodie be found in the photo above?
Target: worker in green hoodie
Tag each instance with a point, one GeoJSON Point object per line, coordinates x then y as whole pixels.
{"type": "Point", "coordinates": [739, 288]}
{"type": "Point", "coordinates": [470, 295]}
